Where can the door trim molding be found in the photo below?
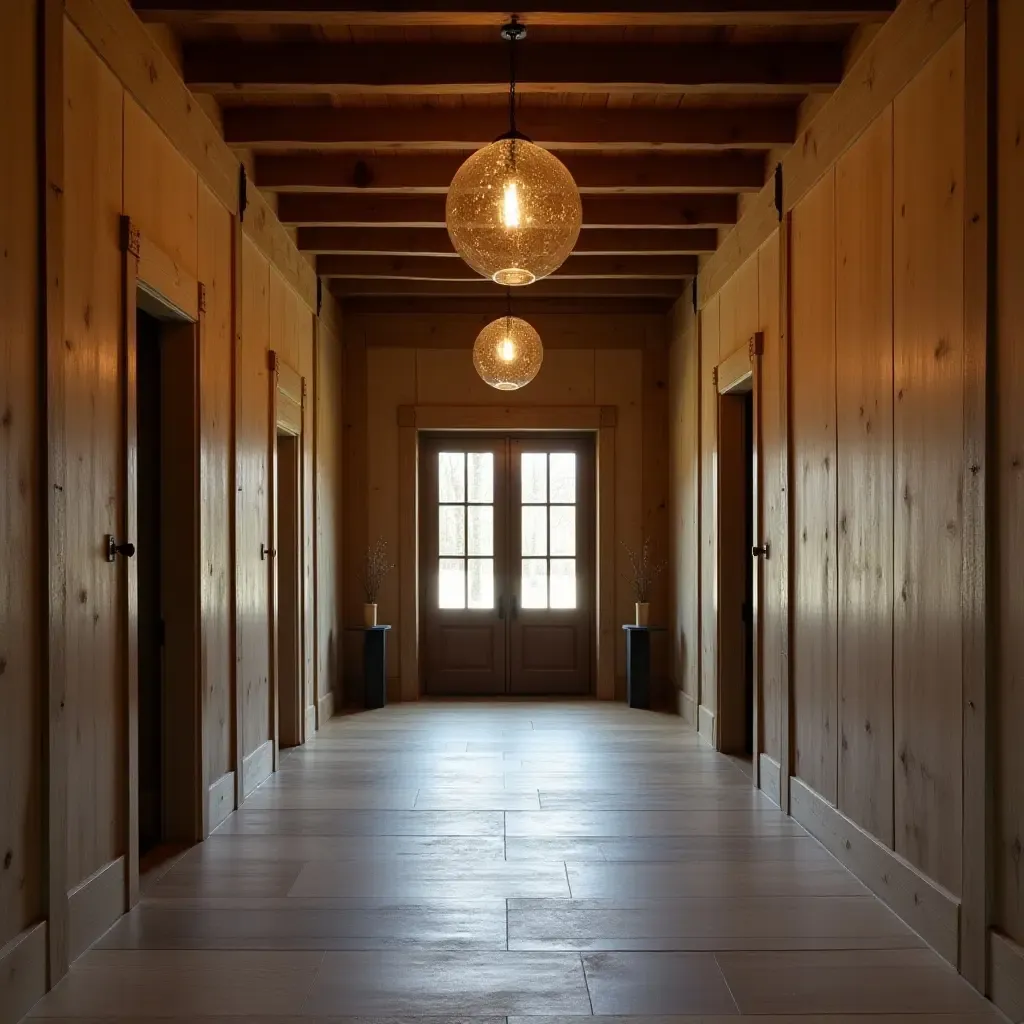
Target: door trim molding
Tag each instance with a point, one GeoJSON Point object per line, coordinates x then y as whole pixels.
{"type": "Point", "coordinates": [602, 420]}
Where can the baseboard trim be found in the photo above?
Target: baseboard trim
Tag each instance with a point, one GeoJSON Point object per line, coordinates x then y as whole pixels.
{"type": "Point", "coordinates": [686, 707]}
{"type": "Point", "coordinates": [257, 767]}
{"type": "Point", "coordinates": [94, 905]}
{"type": "Point", "coordinates": [924, 905]}
{"type": "Point", "coordinates": [771, 779]}
{"type": "Point", "coordinates": [1007, 975]}
{"type": "Point", "coordinates": [22, 973]}
{"type": "Point", "coordinates": [220, 799]}
{"type": "Point", "coordinates": [706, 724]}
{"type": "Point", "coordinates": [325, 708]}
{"type": "Point", "coordinates": [310, 730]}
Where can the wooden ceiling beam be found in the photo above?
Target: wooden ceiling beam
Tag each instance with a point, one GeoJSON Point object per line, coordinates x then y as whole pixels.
{"type": "Point", "coordinates": [487, 308]}
{"type": "Point", "coordinates": [540, 12]}
{"type": "Point", "coordinates": [344, 287]}
{"type": "Point", "coordinates": [434, 268]}
{"type": "Point", "coordinates": [468, 128]}
{"type": "Point", "coordinates": [435, 241]}
{"type": "Point", "coordinates": [432, 173]}
{"type": "Point", "coordinates": [313, 209]}
{"type": "Point", "coordinates": [452, 69]}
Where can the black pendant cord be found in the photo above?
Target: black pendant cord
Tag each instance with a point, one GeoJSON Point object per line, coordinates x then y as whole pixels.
{"type": "Point", "coordinates": [508, 303]}
{"type": "Point", "coordinates": [512, 82]}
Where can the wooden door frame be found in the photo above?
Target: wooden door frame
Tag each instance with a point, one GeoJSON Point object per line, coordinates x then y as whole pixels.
{"type": "Point", "coordinates": [601, 420]}
{"type": "Point", "coordinates": [147, 266]}
{"type": "Point", "coordinates": [287, 412]}
{"type": "Point", "coordinates": [740, 373]}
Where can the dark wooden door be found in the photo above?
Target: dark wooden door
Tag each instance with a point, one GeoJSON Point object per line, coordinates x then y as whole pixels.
{"type": "Point", "coordinates": [507, 570]}
{"type": "Point", "coordinates": [551, 572]}
{"type": "Point", "coordinates": [464, 505]}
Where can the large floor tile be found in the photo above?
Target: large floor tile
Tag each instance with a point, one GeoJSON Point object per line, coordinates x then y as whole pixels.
{"type": "Point", "coordinates": [711, 878]}
{"type": "Point", "coordinates": [644, 823]}
{"type": "Point", "coordinates": [248, 821]}
{"type": "Point", "coordinates": [392, 984]}
{"type": "Point", "coordinates": [657, 983]}
{"type": "Point", "coordinates": [426, 877]}
{"type": "Point", "coordinates": [855, 981]}
{"type": "Point", "coordinates": [228, 848]}
{"type": "Point", "coordinates": [144, 985]}
{"type": "Point", "coordinates": [706, 924]}
{"type": "Point", "coordinates": [316, 924]}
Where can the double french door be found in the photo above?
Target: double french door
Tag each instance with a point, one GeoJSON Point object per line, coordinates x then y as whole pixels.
{"type": "Point", "coordinates": [507, 570]}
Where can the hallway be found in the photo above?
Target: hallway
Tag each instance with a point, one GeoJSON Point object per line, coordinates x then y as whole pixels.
{"type": "Point", "coordinates": [510, 860]}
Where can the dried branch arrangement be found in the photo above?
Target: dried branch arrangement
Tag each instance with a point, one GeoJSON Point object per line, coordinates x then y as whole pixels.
{"type": "Point", "coordinates": [643, 571]}
{"type": "Point", "coordinates": [377, 567]}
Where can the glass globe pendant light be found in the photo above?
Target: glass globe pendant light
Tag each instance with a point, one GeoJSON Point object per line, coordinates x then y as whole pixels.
{"type": "Point", "coordinates": [513, 210]}
{"type": "Point", "coordinates": [508, 353]}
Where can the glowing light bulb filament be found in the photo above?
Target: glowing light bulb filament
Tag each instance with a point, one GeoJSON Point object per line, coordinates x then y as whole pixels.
{"type": "Point", "coordinates": [507, 350]}
{"type": "Point", "coordinates": [510, 205]}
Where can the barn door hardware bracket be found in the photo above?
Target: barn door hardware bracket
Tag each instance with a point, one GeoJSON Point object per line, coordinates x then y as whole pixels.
{"type": "Point", "coordinates": [319, 295]}
{"type": "Point", "coordinates": [695, 279]}
{"type": "Point", "coordinates": [778, 190]}
{"type": "Point", "coordinates": [761, 550]}
{"type": "Point", "coordinates": [243, 191]}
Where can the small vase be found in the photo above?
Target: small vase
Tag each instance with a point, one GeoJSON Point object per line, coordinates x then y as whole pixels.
{"type": "Point", "coordinates": [643, 610]}
{"type": "Point", "coordinates": [370, 615]}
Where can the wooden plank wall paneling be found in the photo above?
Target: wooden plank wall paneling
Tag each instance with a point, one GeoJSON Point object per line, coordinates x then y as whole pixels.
{"type": "Point", "coordinates": [684, 505]}
{"type": "Point", "coordinates": [618, 381]}
{"type": "Point", "coordinates": [21, 834]}
{"type": "Point", "coordinates": [329, 430]}
{"type": "Point", "coordinates": [93, 177]}
{"type": "Point", "coordinates": [1008, 902]}
{"type": "Point", "coordinates": [813, 427]}
{"type": "Point", "coordinates": [655, 468]}
{"type": "Point", "coordinates": [864, 409]}
{"type": "Point", "coordinates": [217, 501]}
{"type": "Point", "coordinates": [160, 189]}
{"type": "Point", "coordinates": [709, 357]}
{"type": "Point", "coordinates": [775, 528]}
{"type": "Point", "coordinates": [253, 485]}
{"type": "Point", "coordinates": [928, 160]}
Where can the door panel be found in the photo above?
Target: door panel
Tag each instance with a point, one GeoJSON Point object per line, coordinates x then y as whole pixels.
{"type": "Point", "coordinates": [463, 544]}
{"type": "Point", "coordinates": [506, 576]}
{"type": "Point", "coordinates": [551, 574]}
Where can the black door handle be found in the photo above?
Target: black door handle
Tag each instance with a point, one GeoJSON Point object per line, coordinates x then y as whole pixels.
{"type": "Point", "coordinates": [114, 549]}
{"type": "Point", "coordinates": [760, 550]}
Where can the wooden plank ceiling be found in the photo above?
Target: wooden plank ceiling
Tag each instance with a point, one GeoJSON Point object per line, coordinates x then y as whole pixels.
{"type": "Point", "coordinates": [356, 115]}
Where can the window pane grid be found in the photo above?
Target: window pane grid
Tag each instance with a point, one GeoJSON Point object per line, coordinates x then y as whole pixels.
{"type": "Point", "coordinates": [548, 532]}
{"type": "Point", "coordinates": [465, 532]}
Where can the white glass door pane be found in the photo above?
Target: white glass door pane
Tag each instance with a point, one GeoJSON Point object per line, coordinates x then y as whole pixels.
{"type": "Point", "coordinates": [535, 531]}
{"type": "Point", "coordinates": [451, 583]}
{"type": "Point", "coordinates": [481, 583]}
{"type": "Point", "coordinates": [481, 529]}
{"type": "Point", "coordinates": [451, 476]}
{"type": "Point", "coordinates": [563, 529]}
{"type": "Point", "coordinates": [535, 583]}
{"type": "Point", "coordinates": [451, 530]}
{"type": "Point", "coordinates": [563, 582]}
{"type": "Point", "coordinates": [535, 478]}
{"type": "Point", "coordinates": [481, 476]}
{"type": "Point", "coordinates": [563, 477]}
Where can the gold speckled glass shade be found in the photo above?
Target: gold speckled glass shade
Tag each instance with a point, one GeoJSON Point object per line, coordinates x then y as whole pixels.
{"type": "Point", "coordinates": [507, 353]}
{"type": "Point", "coordinates": [513, 212]}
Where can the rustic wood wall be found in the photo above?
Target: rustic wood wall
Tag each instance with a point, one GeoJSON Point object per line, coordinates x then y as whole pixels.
{"type": "Point", "coordinates": [864, 376]}
{"type": "Point", "coordinates": [21, 891]}
{"type": "Point", "coordinates": [614, 360]}
{"type": "Point", "coordinates": [117, 160]}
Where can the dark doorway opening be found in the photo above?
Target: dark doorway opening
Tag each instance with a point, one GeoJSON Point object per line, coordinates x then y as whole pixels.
{"type": "Point", "coordinates": [737, 569]}
{"type": "Point", "coordinates": [151, 622]}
